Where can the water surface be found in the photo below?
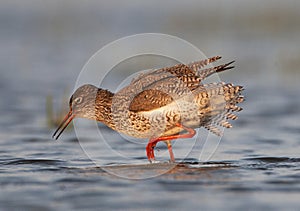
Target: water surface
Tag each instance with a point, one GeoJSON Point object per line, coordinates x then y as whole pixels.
{"type": "Point", "coordinates": [256, 165]}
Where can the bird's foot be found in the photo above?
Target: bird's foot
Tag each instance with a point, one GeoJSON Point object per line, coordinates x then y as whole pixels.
{"type": "Point", "coordinates": [150, 151]}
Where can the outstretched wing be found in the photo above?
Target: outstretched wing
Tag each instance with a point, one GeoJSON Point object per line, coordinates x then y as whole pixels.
{"type": "Point", "coordinates": [160, 87]}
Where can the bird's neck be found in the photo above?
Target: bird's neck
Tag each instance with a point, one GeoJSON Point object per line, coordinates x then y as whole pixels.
{"type": "Point", "coordinates": [103, 107]}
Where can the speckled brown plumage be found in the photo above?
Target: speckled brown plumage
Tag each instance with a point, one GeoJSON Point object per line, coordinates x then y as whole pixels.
{"type": "Point", "coordinates": [160, 104]}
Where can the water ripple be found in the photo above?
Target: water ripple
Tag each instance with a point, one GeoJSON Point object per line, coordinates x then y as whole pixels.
{"type": "Point", "coordinates": [33, 161]}
{"type": "Point", "coordinates": [274, 159]}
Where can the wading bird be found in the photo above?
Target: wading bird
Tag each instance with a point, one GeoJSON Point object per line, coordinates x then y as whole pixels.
{"type": "Point", "coordinates": [161, 105]}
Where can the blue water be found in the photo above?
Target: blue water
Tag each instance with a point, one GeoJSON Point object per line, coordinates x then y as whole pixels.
{"type": "Point", "coordinates": [256, 165]}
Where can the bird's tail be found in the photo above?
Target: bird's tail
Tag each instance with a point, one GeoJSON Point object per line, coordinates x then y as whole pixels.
{"type": "Point", "coordinates": [222, 100]}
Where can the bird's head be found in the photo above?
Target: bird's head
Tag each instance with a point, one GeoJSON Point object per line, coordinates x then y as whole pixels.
{"type": "Point", "coordinates": [82, 104]}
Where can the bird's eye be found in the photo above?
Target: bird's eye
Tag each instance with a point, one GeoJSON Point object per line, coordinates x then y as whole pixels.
{"type": "Point", "coordinates": [78, 100]}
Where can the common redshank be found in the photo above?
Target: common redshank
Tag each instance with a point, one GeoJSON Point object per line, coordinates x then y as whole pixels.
{"type": "Point", "coordinates": [161, 105]}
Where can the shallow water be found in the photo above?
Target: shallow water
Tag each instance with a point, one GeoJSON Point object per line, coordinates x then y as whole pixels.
{"type": "Point", "coordinates": [256, 165]}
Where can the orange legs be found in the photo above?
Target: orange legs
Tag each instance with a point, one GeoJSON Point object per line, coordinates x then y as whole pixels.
{"type": "Point", "coordinates": [169, 144]}
{"type": "Point", "coordinates": [152, 142]}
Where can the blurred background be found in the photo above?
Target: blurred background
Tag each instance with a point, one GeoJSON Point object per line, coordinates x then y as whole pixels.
{"type": "Point", "coordinates": [44, 45]}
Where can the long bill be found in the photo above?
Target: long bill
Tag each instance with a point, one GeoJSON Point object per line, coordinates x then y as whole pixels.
{"type": "Point", "coordinates": [66, 121]}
